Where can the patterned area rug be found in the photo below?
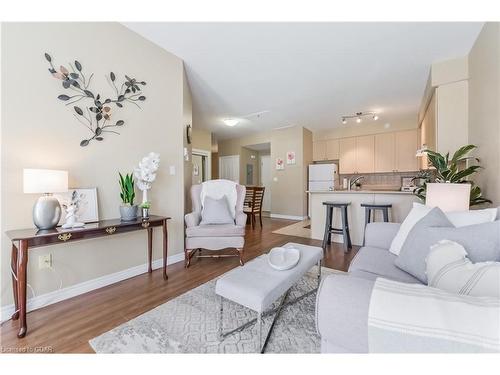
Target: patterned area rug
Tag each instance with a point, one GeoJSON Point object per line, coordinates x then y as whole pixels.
{"type": "Point", "coordinates": [189, 324]}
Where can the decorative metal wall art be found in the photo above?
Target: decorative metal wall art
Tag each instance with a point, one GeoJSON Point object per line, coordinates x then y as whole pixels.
{"type": "Point", "coordinates": [96, 115]}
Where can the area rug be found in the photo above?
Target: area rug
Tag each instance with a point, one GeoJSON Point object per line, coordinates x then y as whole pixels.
{"type": "Point", "coordinates": [189, 324]}
{"type": "Point", "coordinates": [300, 229]}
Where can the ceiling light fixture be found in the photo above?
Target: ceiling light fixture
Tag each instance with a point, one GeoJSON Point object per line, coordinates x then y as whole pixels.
{"type": "Point", "coordinates": [230, 121]}
{"type": "Point", "coordinates": [358, 116]}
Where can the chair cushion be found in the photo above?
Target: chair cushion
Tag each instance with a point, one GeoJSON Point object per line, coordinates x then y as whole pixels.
{"type": "Point", "coordinates": [372, 262]}
{"type": "Point", "coordinates": [216, 211]}
{"type": "Point", "coordinates": [211, 230]}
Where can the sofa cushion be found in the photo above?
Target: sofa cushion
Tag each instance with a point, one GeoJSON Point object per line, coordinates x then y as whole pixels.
{"type": "Point", "coordinates": [372, 262]}
{"type": "Point", "coordinates": [216, 211]}
{"type": "Point", "coordinates": [222, 230]}
{"type": "Point", "coordinates": [481, 241]}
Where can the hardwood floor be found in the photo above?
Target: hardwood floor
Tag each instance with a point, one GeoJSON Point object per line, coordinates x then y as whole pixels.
{"type": "Point", "coordinates": [67, 326]}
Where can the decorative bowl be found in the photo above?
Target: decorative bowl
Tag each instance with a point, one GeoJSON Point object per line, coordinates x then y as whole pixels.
{"type": "Point", "coordinates": [283, 258]}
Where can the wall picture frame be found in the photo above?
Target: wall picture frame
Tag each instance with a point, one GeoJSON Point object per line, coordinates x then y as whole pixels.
{"type": "Point", "coordinates": [280, 164]}
{"type": "Point", "coordinates": [88, 211]}
{"type": "Point", "coordinates": [290, 157]}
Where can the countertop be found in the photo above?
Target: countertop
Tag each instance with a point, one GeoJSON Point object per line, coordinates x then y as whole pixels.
{"type": "Point", "coordinates": [359, 192]}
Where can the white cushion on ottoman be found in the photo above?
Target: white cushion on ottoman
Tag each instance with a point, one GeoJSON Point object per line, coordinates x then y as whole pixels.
{"type": "Point", "coordinates": [257, 285]}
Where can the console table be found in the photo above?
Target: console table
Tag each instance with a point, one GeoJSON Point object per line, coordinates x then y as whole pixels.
{"type": "Point", "coordinates": [28, 238]}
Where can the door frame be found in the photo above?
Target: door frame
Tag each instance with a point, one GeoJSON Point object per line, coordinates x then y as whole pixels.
{"type": "Point", "coordinates": [208, 160]}
{"type": "Point", "coordinates": [221, 158]}
{"type": "Point", "coordinates": [270, 177]}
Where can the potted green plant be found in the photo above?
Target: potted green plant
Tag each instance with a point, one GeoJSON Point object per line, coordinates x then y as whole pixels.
{"type": "Point", "coordinates": [145, 209]}
{"type": "Point", "coordinates": [128, 210]}
{"type": "Point", "coordinates": [454, 170]}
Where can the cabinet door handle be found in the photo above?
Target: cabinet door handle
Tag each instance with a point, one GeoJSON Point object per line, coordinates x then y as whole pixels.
{"type": "Point", "coordinates": [64, 236]}
{"type": "Point", "coordinates": [110, 230]}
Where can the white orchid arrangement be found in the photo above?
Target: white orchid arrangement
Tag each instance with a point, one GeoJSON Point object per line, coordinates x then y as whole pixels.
{"type": "Point", "coordinates": [145, 173]}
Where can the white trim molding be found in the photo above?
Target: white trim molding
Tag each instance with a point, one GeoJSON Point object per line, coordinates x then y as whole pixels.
{"type": "Point", "coordinates": [288, 217]}
{"type": "Point", "coordinates": [87, 286]}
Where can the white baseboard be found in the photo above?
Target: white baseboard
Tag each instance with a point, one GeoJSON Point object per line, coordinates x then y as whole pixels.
{"type": "Point", "coordinates": [43, 300]}
{"type": "Point", "coordinates": [288, 217]}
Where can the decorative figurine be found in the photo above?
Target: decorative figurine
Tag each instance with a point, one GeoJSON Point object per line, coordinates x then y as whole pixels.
{"type": "Point", "coordinates": [71, 208]}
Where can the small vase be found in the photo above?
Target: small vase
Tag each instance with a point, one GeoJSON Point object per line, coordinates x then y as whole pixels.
{"type": "Point", "coordinates": [128, 213]}
{"type": "Point", "coordinates": [145, 213]}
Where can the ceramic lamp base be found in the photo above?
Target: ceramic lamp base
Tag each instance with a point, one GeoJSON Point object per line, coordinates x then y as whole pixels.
{"type": "Point", "coordinates": [46, 212]}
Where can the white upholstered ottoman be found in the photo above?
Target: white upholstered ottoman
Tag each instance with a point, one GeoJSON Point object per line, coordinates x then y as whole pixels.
{"type": "Point", "coordinates": [257, 286]}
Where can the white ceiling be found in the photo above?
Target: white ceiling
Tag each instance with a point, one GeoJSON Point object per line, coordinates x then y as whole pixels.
{"type": "Point", "coordinates": [306, 74]}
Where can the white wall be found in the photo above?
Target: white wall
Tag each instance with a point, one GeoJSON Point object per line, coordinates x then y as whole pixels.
{"type": "Point", "coordinates": [484, 107]}
{"type": "Point", "coordinates": [38, 131]}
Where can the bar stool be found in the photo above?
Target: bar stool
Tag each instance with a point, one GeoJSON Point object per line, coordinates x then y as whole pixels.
{"type": "Point", "coordinates": [369, 208]}
{"type": "Point", "coordinates": [344, 231]}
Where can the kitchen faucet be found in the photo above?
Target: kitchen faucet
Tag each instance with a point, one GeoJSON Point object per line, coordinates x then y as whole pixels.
{"type": "Point", "coordinates": [352, 182]}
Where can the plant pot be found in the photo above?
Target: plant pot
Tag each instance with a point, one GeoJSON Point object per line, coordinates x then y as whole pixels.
{"type": "Point", "coordinates": [128, 213]}
{"type": "Point", "coordinates": [145, 213]}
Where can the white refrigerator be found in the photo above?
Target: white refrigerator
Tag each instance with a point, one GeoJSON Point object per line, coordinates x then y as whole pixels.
{"type": "Point", "coordinates": [322, 177]}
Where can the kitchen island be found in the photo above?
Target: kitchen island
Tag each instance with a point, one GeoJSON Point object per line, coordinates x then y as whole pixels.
{"type": "Point", "coordinates": [401, 205]}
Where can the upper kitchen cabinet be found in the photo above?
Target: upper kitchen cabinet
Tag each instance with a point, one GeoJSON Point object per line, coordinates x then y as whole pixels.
{"type": "Point", "coordinates": [332, 149]}
{"type": "Point", "coordinates": [365, 154]}
{"type": "Point", "coordinates": [385, 152]}
{"type": "Point", "coordinates": [319, 150]}
{"type": "Point", "coordinates": [347, 155]}
{"type": "Point", "coordinates": [326, 150]}
{"type": "Point", "coordinates": [406, 149]}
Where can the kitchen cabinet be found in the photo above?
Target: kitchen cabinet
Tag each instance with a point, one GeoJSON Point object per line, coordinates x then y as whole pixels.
{"type": "Point", "coordinates": [347, 155]}
{"type": "Point", "coordinates": [326, 150]}
{"type": "Point", "coordinates": [332, 149]}
{"type": "Point", "coordinates": [385, 152]}
{"type": "Point", "coordinates": [319, 150]}
{"type": "Point", "coordinates": [406, 149]}
{"type": "Point", "coordinates": [365, 154]}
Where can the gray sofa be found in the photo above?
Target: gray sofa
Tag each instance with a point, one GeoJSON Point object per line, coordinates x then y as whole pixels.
{"type": "Point", "coordinates": [343, 300]}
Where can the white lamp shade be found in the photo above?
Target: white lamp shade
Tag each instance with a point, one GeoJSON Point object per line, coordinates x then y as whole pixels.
{"type": "Point", "coordinates": [45, 181]}
{"type": "Point", "coordinates": [448, 197]}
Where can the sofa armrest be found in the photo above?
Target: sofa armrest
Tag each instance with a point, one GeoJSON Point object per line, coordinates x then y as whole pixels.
{"type": "Point", "coordinates": [192, 219]}
{"type": "Point", "coordinates": [342, 306]}
{"type": "Point", "coordinates": [381, 234]}
{"type": "Point", "coordinates": [241, 218]}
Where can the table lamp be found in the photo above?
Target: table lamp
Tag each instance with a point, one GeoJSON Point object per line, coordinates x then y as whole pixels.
{"type": "Point", "coordinates": [448, 197]}
{"type": "Point", "coordinates": [47, 210]}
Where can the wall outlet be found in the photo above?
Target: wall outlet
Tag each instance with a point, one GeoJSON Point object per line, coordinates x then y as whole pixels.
{"type": "Point", "coordinates": [45, 261]}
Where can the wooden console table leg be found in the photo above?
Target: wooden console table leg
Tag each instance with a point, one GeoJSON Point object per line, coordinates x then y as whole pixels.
{"type": "Point", "coordinates": [22, 263]}
{"type": "Point", "coordinates": [150, 249]}
{"type": "Point", "coordinates": [165, 248]}
{"type": "Point", "coordinates": [13, 265]}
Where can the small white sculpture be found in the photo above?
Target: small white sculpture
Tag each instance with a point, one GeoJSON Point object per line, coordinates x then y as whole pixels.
{"type": "Point", "coordinates": [71, 208]}
{"type": "Point", "coordinates": [145, 173]}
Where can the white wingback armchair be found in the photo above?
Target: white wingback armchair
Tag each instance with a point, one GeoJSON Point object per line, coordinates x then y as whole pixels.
{"type": "Point", "coordinates": [214, 237]}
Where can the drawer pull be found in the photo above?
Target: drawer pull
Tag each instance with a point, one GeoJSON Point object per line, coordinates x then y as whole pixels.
{"type": "Point", "coordinates": [64, 236]}
{"type": "Point", "coordinates": [110, 230]}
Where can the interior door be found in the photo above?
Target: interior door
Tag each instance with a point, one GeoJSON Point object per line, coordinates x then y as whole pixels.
{"type": "Point", "coordinates": [229, 168]}
{"type": "Point", "coordinates": [265, 180]}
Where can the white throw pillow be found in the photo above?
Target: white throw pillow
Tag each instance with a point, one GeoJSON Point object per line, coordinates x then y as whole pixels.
{"type": "Point", "coordinates": [464, 218]}
{"type": "Point", "coordinates": [458, 219]}
{"type": "Point", "coordinates": [448, 268]}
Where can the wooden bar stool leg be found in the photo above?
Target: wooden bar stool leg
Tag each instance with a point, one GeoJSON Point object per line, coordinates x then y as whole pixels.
{"type": "Point", "coordinates": [349, 243]}
{"type": "Point", "coordinates": [328, 221]}
{"type": "Point", "coordinates": [330, 226]}
{"type": "Point", "coordinates": [345, 230]}
{"type": "Point", "coordinates": [386, 215]}
{"type": "Point", "coordinates": [367, 221]}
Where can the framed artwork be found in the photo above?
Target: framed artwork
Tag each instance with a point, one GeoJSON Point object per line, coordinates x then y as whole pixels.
{"type": "Point", "coordinates": [88, 210]}
{"type": "Point", "coordinates": [196, 169]}
{"type": "Point", "coordinates": [290, 157]}
{"type": "Point", "coordinates": [280, 164]}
